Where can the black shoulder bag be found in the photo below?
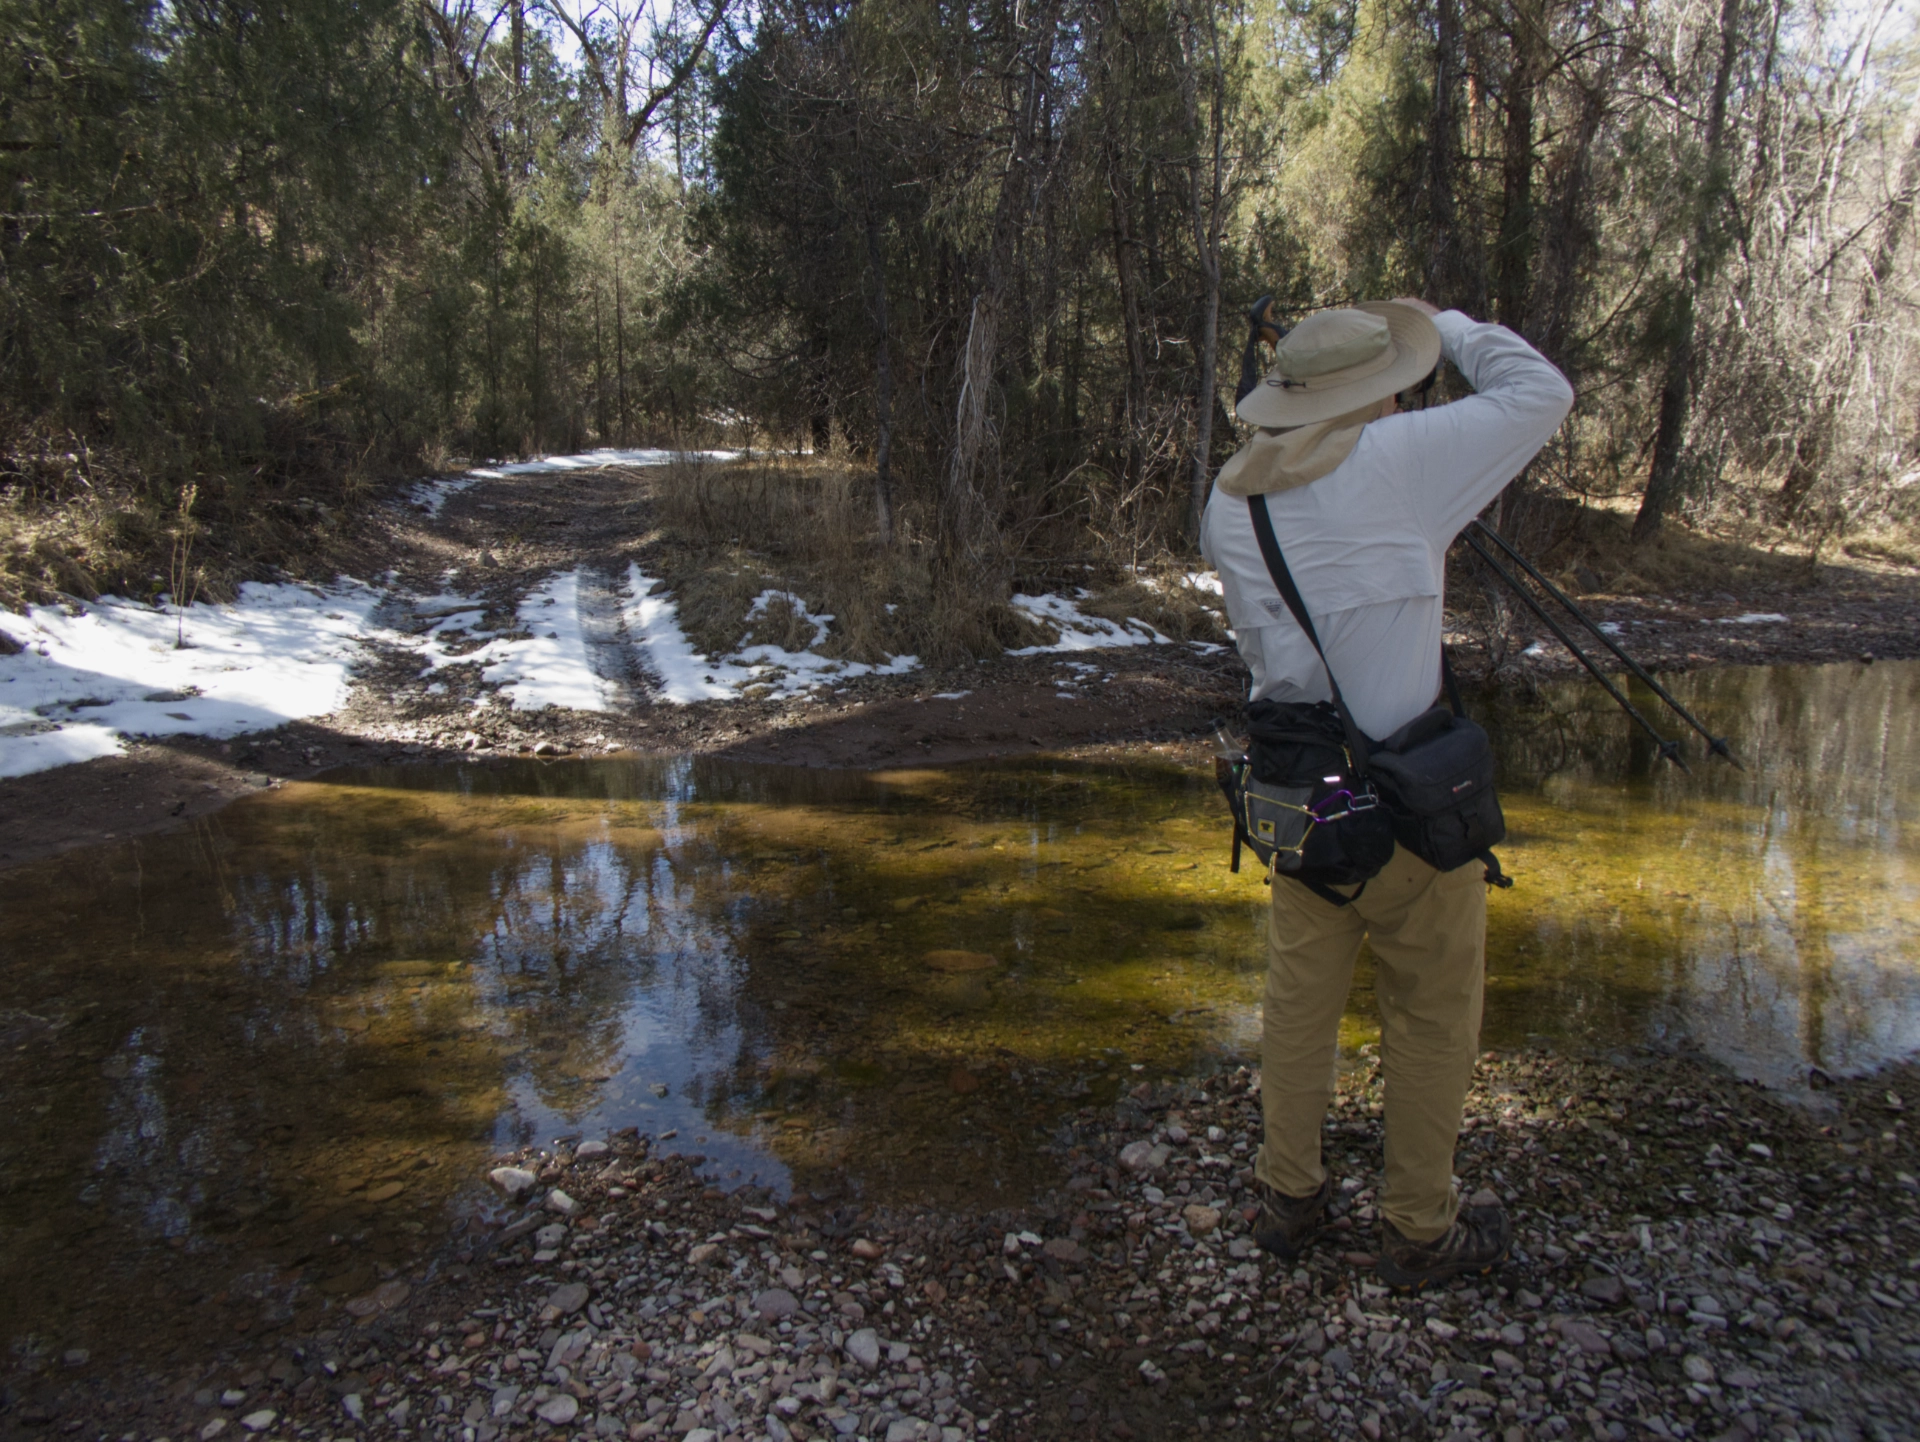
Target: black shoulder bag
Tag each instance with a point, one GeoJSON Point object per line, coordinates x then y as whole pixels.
{"type": "Point", "coordinates": [1309, 798]}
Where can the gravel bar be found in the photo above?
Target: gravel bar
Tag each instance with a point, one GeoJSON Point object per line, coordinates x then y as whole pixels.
{"type": "Point", "coordinates": [1695, 1257]}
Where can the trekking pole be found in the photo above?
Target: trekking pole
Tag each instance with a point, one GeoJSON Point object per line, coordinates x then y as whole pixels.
{"type": "Point", "coordinates": [1715, 744]}
{"type": "Point", "coordinates": [1669, 750]}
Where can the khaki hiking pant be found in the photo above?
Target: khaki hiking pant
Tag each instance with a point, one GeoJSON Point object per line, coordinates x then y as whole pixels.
{"type": "Point", "coordinates": [1428, 931]}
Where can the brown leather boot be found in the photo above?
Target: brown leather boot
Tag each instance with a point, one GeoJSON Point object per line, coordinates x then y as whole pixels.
{"type": "Point", "coordinates": [1288, 1225]}
{"type": "Point", "coordinates": [1477, 1242]}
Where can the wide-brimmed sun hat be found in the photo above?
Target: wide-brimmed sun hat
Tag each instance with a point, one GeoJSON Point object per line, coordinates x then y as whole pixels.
{"type": "Point", "coordinates": [1336, 361]}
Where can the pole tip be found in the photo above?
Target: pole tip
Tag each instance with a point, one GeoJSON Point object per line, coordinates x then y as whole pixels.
{"type": "Point", "coordinates": [1718, 746]}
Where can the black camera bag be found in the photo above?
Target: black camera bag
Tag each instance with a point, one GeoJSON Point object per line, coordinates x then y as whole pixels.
{"type": "Point", "coordinates": [1435, 774]}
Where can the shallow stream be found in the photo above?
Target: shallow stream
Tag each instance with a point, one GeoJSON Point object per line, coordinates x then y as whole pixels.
{"type": "Point", "coordinates": [259, 1063]}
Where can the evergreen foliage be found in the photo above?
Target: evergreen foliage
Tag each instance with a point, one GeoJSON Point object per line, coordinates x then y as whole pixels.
{"type": "Point", "coordinates": [991, 251]}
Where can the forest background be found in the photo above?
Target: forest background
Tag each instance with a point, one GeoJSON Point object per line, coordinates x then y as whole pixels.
{"type": "Point", "coordinates": [984, 262]}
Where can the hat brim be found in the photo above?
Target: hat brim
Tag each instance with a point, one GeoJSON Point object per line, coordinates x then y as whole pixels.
{"type": "Point", "coordinates": [1416, 342]}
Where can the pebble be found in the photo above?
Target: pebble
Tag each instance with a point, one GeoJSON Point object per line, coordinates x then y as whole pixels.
{"type": "Point", "coordinates": [864, 1347]}
{"type": "Point", "coordinates": [569, 1298]}
{"type": "Point", "coordinates": [1609, 1291]}
{"type": "Point", "coordinates": [514, 1182]}
{"type": "Point", "coordinates": [259, 1421]}
{"type": "Point", "coordinates": [559, 1409]}
{"type": "Point", "coordinates": [589, 1151]}
{"type": "Point", "coordinates": [869, 1251]}
{"type": "Point", "coordinates": [1697, 1368]}
{"type": "Point", "coordinates": [559, 1201]}
{"type": "Point", "coordinates": [776, 1304]}
{"type": "Point", "coordinates": [1202, 1221]}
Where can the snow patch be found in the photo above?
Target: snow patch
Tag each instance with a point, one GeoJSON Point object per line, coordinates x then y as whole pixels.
{"type": "Point", "coordinates": [653, 624]}
{"type": "Point", "coordinates": [1755, 618]}
{"type": "Point", "coordinates": [94, 675]}
{"type": "Point", "coordinates": [686, 675]}
{"type": "Point", "coordinates": [1079, 631]}
{"type": "Point", "coordinates": [552, 666]}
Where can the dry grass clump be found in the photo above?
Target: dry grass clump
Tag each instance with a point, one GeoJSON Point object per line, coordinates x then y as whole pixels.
{"type": "Point", "coordinates": [730, 531]}
{"type": "Point", "coordinates": [1890, 549]}
{"type": "Point", "coordinates": [1171, 604]}
{"type": "Point", "coordinates": [1587, 549]}
{"type": "Point", "coordinates": [81, 520]}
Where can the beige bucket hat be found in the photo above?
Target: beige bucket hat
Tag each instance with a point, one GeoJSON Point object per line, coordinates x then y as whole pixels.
{"type": "Point", "coordinates": [1336, 361]}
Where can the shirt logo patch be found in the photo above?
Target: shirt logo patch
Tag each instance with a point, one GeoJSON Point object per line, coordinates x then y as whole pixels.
{"type": "Point", "coordinates": [1273, 606]}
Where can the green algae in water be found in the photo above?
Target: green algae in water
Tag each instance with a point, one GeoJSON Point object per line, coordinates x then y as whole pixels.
{"type": "Point", "coordinates": [259, 1064]}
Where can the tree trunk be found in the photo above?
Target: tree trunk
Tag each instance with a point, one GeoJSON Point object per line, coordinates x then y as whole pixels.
{"type": "Point", "coordinates": [1126, 264]}
{"type": "Point", "coordinates": [882, 388]}
{"type": "Point", "coordinates": [1815, 442]}
{"type": "Point", "coordinates": [1567, 236]}
{"type": "Point", "coordinates": [1664, 479]}
{"type": "Point", "coordinates": [1514, 264]}
{"type": "Point", "coordinates": [1204, 207]}
{"type": "Point", "coordinates": [972, 554]}
{"type": "Point", "coordinates": [1443, 261]}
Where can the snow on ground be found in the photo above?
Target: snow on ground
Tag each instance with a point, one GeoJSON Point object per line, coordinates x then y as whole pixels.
{"type": "Point", "coordinates": [1078, 631]}
{"type": "Point", "coordinates": [792, 673]}
{"type": "Point", "coordinates": [94, 674]}
{"type": "Point", "coordinates": [653, 623]}
{"type": "Point", "coordinates": [552, 665]}
{"type": "Point", "coordinates": [1755, 618]}
{"type": "Point", "coordinates": [430, 496]}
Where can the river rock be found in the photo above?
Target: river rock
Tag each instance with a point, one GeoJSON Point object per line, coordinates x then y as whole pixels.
{"type": "Point", "coordinates": [568, 1298]}
{"type": "Point", "coordinates": [559, 1201]}
{"type": "Point", "coordinates": [514, 1182]}
{"type": "Point", "coordinates": [704, 1252]}
{"type": "Point", "coordinates": [1145, 1156]}
{"type": "Point", "coordinates": [867, 1250]}
{"type": "Point", "coordinates": [1339, 1360]}
{"type": "Point", "coordinates": [1609, 1291]}
{"type": "Point", "coordinates": [1201, 1219]}
{"type": "Point", "coordinates": [1697, 1368]}
{"type": "Point", "coordinates": [385, 1192]}
{"type": "Point", "coordinates": [551, 1235]}
{"type": "Point", "coordinates": [259, 1421]}
{"type": "Point", "coordinates": [776, 1304]}
{"type": "Point", "coordinates": [864, 1347]}
{"type": "Point", "coordinates": [1064, 1249]}
{"type": "Point", "coordinates": [1586, 1337]}
{"type": "Point", "coordinates": [588, 1151]}
{"type": "Point", "coordinates": [959, 961]}
{"type": "Point", "coordinates": [559, 1409]}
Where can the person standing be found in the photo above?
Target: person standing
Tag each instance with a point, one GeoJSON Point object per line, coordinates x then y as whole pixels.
{"type": "Point", "coordinates": [1365, 500]}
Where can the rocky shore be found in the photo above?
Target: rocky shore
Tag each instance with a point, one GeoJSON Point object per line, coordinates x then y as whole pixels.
{"type": "Point", "coordinates": [1695, 1258]}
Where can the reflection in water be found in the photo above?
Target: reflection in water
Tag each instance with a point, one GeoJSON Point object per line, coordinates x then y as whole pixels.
{"type": "Point", "coordinates": [1769, 914]}
{"type": "Point", "coordinates": [256, 1065]}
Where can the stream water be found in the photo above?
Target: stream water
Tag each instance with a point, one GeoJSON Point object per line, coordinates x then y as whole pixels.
{"type": "Point", "coordinates": [261, 1062]}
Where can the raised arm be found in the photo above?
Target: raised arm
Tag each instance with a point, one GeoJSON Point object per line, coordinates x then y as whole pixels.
{"type": "Point", "coordinates": [1459, 456]}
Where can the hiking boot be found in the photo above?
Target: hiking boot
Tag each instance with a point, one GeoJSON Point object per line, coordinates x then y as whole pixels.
{"type": "Point", "coordinates": [1476, 1243]}
{"type": "Point", "coordinates": [1288, 1225]}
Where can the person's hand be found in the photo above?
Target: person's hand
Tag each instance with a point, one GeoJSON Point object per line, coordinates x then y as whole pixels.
{"type": "Point", "coordinates": [1416, 303]}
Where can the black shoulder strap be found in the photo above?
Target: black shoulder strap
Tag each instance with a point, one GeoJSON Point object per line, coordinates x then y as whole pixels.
{"type": "Point", "coordinates": [1357, 747]}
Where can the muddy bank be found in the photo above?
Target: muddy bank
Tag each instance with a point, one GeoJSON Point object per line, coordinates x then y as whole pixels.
{"type": "Point", "coordinates": [1693, 1259]}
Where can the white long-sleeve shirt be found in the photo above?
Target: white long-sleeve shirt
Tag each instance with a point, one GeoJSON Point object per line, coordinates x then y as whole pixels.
{"type": "Point", "coordinates": [1367, 542]}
